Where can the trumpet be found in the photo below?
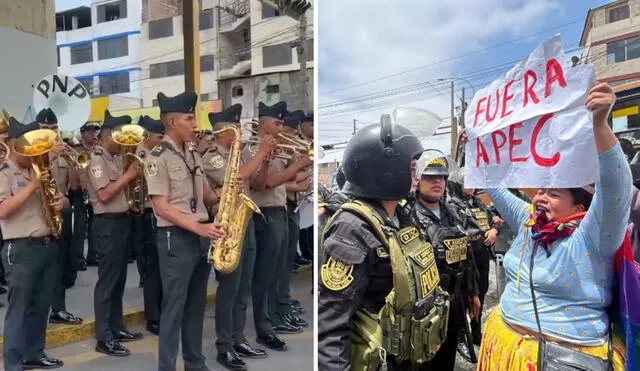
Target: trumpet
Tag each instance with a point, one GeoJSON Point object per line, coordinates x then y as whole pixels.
{"type": "Point", "coordinates": [81, 160]}
{"type": "Point", "coordinates": [291, 151]}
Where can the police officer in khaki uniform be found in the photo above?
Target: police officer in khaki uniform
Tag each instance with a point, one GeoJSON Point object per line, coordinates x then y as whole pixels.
{"type": "Point", "coordinates": [301, 183]}
{"type": "Point", "coordinates": [66, 178]}
{"type": "Point", "coordinates": [179, 192]}
{"type": "Point", "coordinates": [145, 229]}
{"type": "Point", "coordinates": [271, 230]}
{"type": "Point", "coordinates": [234, 288]}
{"type": "Point", "coordinates": [82, 210]}
{"type": "Point", "coordinates": [29, 256]}
{"type": "Point", "coordinates": [110, 230]}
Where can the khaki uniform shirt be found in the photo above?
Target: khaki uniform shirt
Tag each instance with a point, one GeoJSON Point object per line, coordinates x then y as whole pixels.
{"type": "Point", "coordinates": [104, 169]}
{"type": "Point", "coordinates": [215, 162]}
{"type": "Point", "coordinates": [272, 197]}
{"type": "Point", "coordinates": [28, 220]}
{"type": "Point", "coordinates": [143, 153]}
{"type": "Point", "coordinates": [168, 172]}
{"type": "Point", "coordinates": [61, 173]}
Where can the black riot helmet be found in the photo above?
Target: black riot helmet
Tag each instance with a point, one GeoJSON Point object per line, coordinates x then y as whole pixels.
{"type": "Point", "coordinates": [377, 161]}
{"type": "Point", "coordinates": [340, 178]}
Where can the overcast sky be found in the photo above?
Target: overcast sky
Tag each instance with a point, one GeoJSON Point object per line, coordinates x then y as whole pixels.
{"type": "Point", "coordinates": [363, 41]}
{"type": "Point", "coordinates": [69, 4]}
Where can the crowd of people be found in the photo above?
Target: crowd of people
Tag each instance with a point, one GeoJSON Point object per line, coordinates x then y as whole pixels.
{"type": "Point", "coordinates": [405, 251]}
{"type": "Point", "coordinates": [169, 232]}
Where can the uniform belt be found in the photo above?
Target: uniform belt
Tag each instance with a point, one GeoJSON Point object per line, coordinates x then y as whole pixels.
{"type": "Point", "coordinates": [32, 240]}
{"type": "Point", "coordinates": [111, 215]}
{"type": "Point", "coordinates": [263, 208]}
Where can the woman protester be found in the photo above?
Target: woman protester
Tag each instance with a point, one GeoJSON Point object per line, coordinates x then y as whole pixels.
{"type": "Point", "coordinates": [569, 237]}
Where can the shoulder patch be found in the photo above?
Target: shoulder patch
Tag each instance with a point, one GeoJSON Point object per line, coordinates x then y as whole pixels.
{"type": "Point", "coordinates": [152, 168]}
{"type": "Point", "coordinates": [336, 275]}
{"type": "Point", "coordinates": [96, 171]}
{"type": "Point", "coordinates": [409, 235]}
{"type": "Point", "coordinates": [216, 161]}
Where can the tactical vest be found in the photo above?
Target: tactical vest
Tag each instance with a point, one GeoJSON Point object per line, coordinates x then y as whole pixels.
{"type": "Point", "coordinates": [477, 219]}
{"type": "Point", "coordinates": [413, 322]}
{"type": "Point", "coordinates": [450, 245]}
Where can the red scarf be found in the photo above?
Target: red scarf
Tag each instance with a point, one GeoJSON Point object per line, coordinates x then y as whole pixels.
{"type": "Point", "coordinates": [545, 232]}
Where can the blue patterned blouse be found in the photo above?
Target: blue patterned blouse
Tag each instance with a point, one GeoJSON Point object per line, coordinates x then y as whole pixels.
{"type": "Point", "coordinates": [573, 285]}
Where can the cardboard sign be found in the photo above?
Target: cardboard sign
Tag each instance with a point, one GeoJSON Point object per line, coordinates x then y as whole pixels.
{"type": "Point", "coordinates": [530, 128]}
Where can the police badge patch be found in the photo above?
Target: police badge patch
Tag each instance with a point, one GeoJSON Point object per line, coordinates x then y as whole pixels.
{"type": "Point", "coordinates": [152, 168]}
{"type": "Point", "coordinates": [216, 162]}
{"type": "Point", "coordinates": [96, 171]}
{"type": "Point", "coordinates": [336, 275]}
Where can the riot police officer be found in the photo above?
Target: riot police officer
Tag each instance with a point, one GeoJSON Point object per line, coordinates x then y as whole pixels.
{"type": "Point", "coordinates": [379, 280]}
{"type": "Point", "coordinates": [439, 223]}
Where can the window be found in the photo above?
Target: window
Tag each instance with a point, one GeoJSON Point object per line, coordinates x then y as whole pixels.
{"type": "Point", "coordinates": [204, 97]}
{"type": "Point", "coordinates": [206, 63]}
{"type": "Point", "coordinates": [165, 69]}
{"type": "Point", "coordinates": [237, 91]}
{"type": "Point", "coordinates": [206, 19]}
{"type": "Point", "coordinates": [81, 53]}
{"type": "Point", "coordinates": [624, 50]}
{"type": "Point", "coordinates": [88, 84]}
{"type": "Point", "coordinates": [113, 48]}
{"type": "Point", "coordinates": [114, 84]}
{"type": "Point", "coordinates": [160, 28]}
{"type": "Point", "coordinates": [268, 11]}
{"type": "Point", "coordinates": [246, 35]}
{"type": "Point", "coordinates": [618, 13]}
{"type": "Point", "coordinates": [272, 89]}
{"type": "Point", "coordinates": [112, 11]}
{"type": "Point", "coordinates": [276, 55]}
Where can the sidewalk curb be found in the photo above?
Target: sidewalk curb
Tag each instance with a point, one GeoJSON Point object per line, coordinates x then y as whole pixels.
{"type": "Point", "coordinates": [59, 335]}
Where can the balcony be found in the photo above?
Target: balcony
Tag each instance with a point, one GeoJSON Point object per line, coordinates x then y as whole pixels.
{"type": "Point", "coordinates": [235, 61]}
{"type": "Point", "coordinates": [234, 16]}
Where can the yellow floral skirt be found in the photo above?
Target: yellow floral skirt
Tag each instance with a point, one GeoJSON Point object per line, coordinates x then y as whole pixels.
{"type": "Point", "coordinates": [504, 349]}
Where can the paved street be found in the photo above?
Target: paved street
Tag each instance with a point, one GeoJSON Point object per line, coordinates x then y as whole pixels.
{"type": "Point", "coordinates": [81, 356]}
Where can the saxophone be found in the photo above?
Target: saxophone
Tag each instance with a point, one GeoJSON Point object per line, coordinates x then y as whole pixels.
{"type": "Point", "coordinates": [234, 213]}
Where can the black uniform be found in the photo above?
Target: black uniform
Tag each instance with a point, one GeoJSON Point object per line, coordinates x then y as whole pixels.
{"type": "Point", "coordinates": [458, 279]}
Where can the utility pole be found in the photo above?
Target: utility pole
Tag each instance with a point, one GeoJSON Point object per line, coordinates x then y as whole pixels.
{"type": "Point", "coordinates": [302, 58]}
{"type": "Point", "coordinates": [354, 126]}
{"type": "Point", "coordinates": [454, 123]}
{"type": "Point", "coordinates": [463, 110]}
{"type": "Point", "coordinates": [191, 39]}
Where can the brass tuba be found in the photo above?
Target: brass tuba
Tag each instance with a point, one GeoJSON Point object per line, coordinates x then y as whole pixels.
{"type": "Point", "coordinates": [130, 137]}
{"type": "Point", "coordinates": [233, 214]}
{"type": "Point", "coordinates": [36, 144]}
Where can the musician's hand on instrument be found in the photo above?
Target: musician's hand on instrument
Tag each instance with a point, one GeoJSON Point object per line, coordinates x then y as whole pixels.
{"type": "Point", "coordinates": [212, 230]}
{"type": "Point", "coordinates": [55, 152]}
{"type": "Point", "coordinates": [133, 170]}
{"type": "Point", "coordinates": [58, 202]}
{"type": "Point", "coordinates": [267, 143]}
{"type": "Point", "coordinates": [306, 161]}
{"type": "Point", "coordinates": [240, 183]}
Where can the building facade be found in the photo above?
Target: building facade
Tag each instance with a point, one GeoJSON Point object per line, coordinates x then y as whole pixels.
{"type": "Point", "coordinates": [100, 46]}
{"type": "Point", "coordinates": [611, 41]}
{"type": "Point", "coordinates": [27, 39]}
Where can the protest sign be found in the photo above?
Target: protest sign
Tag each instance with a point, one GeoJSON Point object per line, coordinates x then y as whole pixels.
{"type": "Point", "coordinates": [530, 127]}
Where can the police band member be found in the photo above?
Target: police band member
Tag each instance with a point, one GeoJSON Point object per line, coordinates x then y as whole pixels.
{"type": "Point", "coordinates": [145, 229]}
{"type": "Point", "coordinates": [306, 235]}
{"type": "Point", "coordinates": [479, 218]}
{"type": "Point", "coordinates": [179, 192]}
{"type": "Point", "coordinates": [287, 306]}
{"type": "Point", "coordinates": [66, 179]}
{"type": "Point", "coordinates": [377, 272]}
{"type": "Point", "coordinates": [110, 230]}
{"type": "Point", "coordinates": [82, 209]}
{"type": "Point", "coordinates": [234, 289]}
{"type": "Point", "coordinates": [439, 223]}
{"type": "Point", "coordinates": [271, 228]}
{"type": "Point", "coordinates": [29, 257]}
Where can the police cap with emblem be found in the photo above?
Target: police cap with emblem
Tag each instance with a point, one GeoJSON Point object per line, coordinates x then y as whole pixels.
{"type": "Point", "coordinates": [181, 103]}
{"type": "Point", "coordinates": [377, 161]}
{"type": "Point", "coordinates": [111, 122]}
{"type": "Point", "coordinates": [90, 126]}
{"type": "Point", "coordinates": [230, 115]}
{"type": "Point", "coordinates": [151, 125]}
{"type": "Point", "coordinates": [293, 119]}
{"type": "Point", "coordinates": [277, 111]}
{"type": "Point", "coordinates": [46, 116]}
{"type": "Point", "coordinates": [17, 129]}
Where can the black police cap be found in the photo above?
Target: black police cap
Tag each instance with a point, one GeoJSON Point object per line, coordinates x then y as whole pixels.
{"type": "Point", "coordinates": [89, 126]}
{"type": "Point", "coordinates": [438, 166]}
{"type": "Point", "coordinates": [278, 110]}
{"type": "Point", "coordinates": [181, 103]}
{"type": "Point", "coordinates": [308, 117]}
{"type": "Point", "coordinates": [17, 129]}
{"type": "Point", "coordinates": [151, 125]}
{"type": "Point", "coordinates": [293, 119]}
{"type": "Point", "coordinates": [111, 122]}
{"type": "Point", "coordinates": [231, 114]}
{"type": "Point", "coordinates": [46, 116]}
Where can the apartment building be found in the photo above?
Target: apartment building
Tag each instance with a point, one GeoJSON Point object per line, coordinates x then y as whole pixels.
{"type": "Point", "coordinates": [258, 55]}
{"type": "Point", "coordinates": [28, 44]}
{"type": "Point", "coordinates": [100, 46]}
{"type": "Point", "coordinates": [611, 41]}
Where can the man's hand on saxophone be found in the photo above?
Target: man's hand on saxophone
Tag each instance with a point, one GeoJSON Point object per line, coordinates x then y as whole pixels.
{"type": "Point", "coordinates": [60, 202]}
{"type": "Point", "coordinates": [211, 230]}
